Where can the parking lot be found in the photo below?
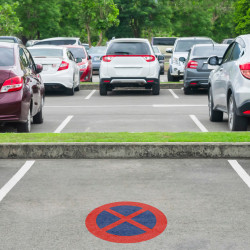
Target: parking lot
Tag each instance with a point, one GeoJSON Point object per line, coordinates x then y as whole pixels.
{"type": "Point", "coordinates": [205, 201]}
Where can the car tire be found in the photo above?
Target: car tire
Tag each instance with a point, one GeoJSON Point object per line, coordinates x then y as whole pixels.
{"type": "Point", "coordinates": [187, 91]}
{"type": "Point", "coordinates": [70, 91]}
{"type": "Point", "coordinates": [26, 126]}
{"type": "Point", "coordinates": [170, 77]}
{"type": "Point", "coordinates": [235, 122]}
{"type": "Point", "coordinates": [77, 88]}
{"type": "Point", "coordinates": [176, 78]}
{"type": "Point", "coordinates": [38, 118]}
{"type": "Point", "coordinates": [103, 89]}
{"type": "Point", "coordinates": [214, 115]}
{"type": "Point", "coordinates": [156, 88]}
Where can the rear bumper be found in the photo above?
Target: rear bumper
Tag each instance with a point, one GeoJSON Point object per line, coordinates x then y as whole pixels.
{"type": "Point", "coordinates": [65, 80]}
{"type": "Point", "coordinates": [244, 107]}
{"type": "Point", "coordinates": [196, 83]}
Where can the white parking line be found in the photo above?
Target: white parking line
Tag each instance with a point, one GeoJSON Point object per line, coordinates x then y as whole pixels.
{"type": "Point", "coordinates": [63, 124]}
{"type": "Point", "coordinates": [15, 179]}
{"type": "Point", "coordinates": [91, 93]}
{"type": "Point", "coordinates": [198, 123]}
{"type": "Point", "coordinates": [173, 93]}
{"type": "Point", "coordinates": [240, 171]}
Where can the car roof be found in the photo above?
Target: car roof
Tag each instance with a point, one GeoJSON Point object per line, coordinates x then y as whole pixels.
{"type": "Point", "coordinates": [129, 40]}
{"type": "Point", "coordinates": [194, 38]}
{"type": "Point", "coordinates": [73, 46]}
{"type": "Point", "coordinates": [210, 45]}
{"type": "Point", "coordinates": [8, 45]}
{"type": "Point", "coordinates": [47, 47]}
{"type": "Point", "coordinates": [60, 38]}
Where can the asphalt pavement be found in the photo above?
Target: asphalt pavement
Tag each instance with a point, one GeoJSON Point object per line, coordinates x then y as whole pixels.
{"type": "Point", "coordinates": [206, 202]}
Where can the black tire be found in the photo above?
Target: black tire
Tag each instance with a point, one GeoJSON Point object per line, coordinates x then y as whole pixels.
{"type": "Point", "coordinates": [70, 91]}
{"type": "Point", "coordinates": [38, 118]}
{"type": "Point", "coordinates": [162, 72]}
{"type": "Point", "coordinates": [176, 78]}
{"type": "Point", "coordinates": [235, 122]}
{"type": "Point", "coordinates": [26, 126]}
{"type": "Point", "coordinates": [170, 77]}
{"type": "Point", "coordinates": [103, 89]}
{"type": "Point", "coordinates": [214, 115]}
{"type": "Point", "coordinates": [156, 88]}
{"type": "Point", "coordinates": [187, 91]}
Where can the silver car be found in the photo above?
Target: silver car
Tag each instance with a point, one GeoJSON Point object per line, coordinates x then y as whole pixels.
{"type": "Point", "coordinates": [229, 85]}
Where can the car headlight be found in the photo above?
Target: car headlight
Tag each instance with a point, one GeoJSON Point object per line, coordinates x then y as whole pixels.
{"type": "Point", "coordinates": [83, 66]}
{"type": "Point", "coordinates": [175, 60]}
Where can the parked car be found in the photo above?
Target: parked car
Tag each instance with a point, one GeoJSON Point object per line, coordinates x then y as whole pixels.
{"type": "Point", "coordinates": [85, 62]}
{"type": "Point", "coordinates": [10, 39]}
{"type": "Point", "coordinates": [31, 43]}
{"type": "Point", "coordinates": [96, 54]}
{"type": "Point", "coordinates": [197, 69]}
{"type": "Point", "coordinates": [21, 87]}
{"type": "Point", "coordinates": [163, 43]}
{"type": "Point", "coordinates": [60, 70]}
{"type": "Point", "coordinates": [229, 85]}
{"type": "Point", "coordinates": [181, 49]}
{"type": "Point", "coordinates": [228, 40]}
{"type": "Point", "coordinates": [60, 41]}
{"type": "Point", "coordinates": [129, 62]}
{"type": "Point", "coordinates": [160, 58]}
{"type": "Point", "coordinates": [86, 46]}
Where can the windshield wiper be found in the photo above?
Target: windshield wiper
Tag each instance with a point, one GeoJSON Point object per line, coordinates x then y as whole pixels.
{"type": "Point", "coordinates": [122, 52]}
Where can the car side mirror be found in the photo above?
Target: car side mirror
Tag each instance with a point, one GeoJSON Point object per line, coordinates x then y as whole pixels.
{"type": "Point", "coordinates": [78, 60]}
{"type": "Point", "coordinates": [182, 59]}
{"type": "Point", "coordinates": [169, 50]}
{"type": "Point", "coordinates": [214, 60]}
{"type": "Point", "coordinates": [39, 68]}
{"type": "Point", "coordinates": [89, 57]}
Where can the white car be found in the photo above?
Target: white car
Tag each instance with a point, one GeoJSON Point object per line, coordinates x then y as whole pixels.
{"type": "Point", "coordinates": [60, 70]}
{"type": "Point", "coordinates": [60, 41]}
{"type": "Point", "coordinates": [129, 62]}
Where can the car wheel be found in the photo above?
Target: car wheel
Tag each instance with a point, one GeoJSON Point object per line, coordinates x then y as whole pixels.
{"type": "Point", "coordinates": [77, 88]}
{"type": "Point", "coordinates": [103, 89]}
{"type": "Point", "coordinates": [187, 91]}
{"type": "Point", "coordinates": [214, 115]}
{"type": "Point", "coordinates": [26, 126]}
{"type": "Point", "coordinates": [156, 88]}
{"type": "Point", "coordinates": [176, 78]}
{"type": "Point", "coordinates": [38, 118]}
{"type": "Point", "coordinates": [170, 77]}
{"type": "Point", "coordinates": [235, 122]}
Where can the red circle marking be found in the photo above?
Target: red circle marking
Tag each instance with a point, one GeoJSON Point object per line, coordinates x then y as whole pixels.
{"type": "Point", "coordinates": [161, 224]}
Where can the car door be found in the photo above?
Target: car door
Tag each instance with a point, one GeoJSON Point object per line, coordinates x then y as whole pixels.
{"type": "Point", "coordinates": [219, 80]}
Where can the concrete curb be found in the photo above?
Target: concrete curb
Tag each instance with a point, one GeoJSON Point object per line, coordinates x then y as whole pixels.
{"type": "Point", "coordinates": [123, 150]}
{"type": "Point", "coordinates": [163, 86]}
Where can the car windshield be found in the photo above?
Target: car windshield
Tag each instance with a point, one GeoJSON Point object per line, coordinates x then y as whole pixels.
{"type": "Point", "coordinates": [57, 42]}
{"type": "Point", "coordinates": [7, 40]}
{"type": "Point", "coordinates": [156, 50]}
{"type": "Point", "coordinates": [128, 48]}
{"type": "Point", "coordinates": [6, 57]}
{"type": "Point", "coordinates": [185, 45]}
{"type": "Point", "coordinates": [97, 50]}
{"type": "Point", "coordinates": [209, 51]}
{"type": "Point", "coordinates": [164, 41]}
{"type": "Point", "coordinates": [78, 52]}
{"type": "Point", "coordinates": [46, 52]}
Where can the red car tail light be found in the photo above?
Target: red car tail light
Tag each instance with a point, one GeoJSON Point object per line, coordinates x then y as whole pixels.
{"type": "Point", "coordinates": [192, 65]}
{"type": "Point", "coordinates": [107, 58]}
{"type": "Point", "coordinates": [247, 112]}
{"type": "Point", "coordinates": [245, 70]}
{"type": "Point", "coordinates": [12, 84]}
{"type": "Point", "coordinates": [64, 65]}
{"type": "Point", "coordinates": [149, 58]}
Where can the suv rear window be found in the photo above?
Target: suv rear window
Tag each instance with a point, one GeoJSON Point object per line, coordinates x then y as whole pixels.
{"type": "Point", "coordinates": [7, 57]}
{"type": "Point", "coordinates": [185, 45]}
{"type": "Point", "coordinates": [46, 52]}
{"type": "Point", "coordinates": [57, 42]}
{"type": "Point", "coordinates": [164, 41]}
{"type": "Point", "coordinates": [209, 51]}
{"type": "Point", "coordinates": [128, 48]}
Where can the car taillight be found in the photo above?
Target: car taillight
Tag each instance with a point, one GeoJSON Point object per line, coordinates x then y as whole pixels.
{"type": "Point", "coordinates": [64, 65]}
{"type": "Point", "coordinates": [149, 58]}
{"type": "Point", "coordinates": [245, 70]}
{"type": "Point", "coordinates": [107, 58]}
{"type": "Point", "coordinates": [12, 84]}
{"type": "Point", "coordinates": [192, 65]}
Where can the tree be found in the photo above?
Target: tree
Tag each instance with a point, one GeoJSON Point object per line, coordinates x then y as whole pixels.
{"type": "Point", "coordinates": [9, 22]}
{"type": "Point", "coordinates": [242, 17]}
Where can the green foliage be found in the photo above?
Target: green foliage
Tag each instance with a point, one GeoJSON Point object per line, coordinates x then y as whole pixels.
{"type": "Point", "coordinates": [242, 17]}
{"type": "Point", "coordinates": [9, 22]}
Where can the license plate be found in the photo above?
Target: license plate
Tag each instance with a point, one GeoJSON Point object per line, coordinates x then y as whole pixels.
{"type": "Point", "coordinates": [211, 66]}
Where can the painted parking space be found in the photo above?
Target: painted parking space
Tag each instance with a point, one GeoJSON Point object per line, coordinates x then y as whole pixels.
{"type": "Point", "coordinates": [205, 203]}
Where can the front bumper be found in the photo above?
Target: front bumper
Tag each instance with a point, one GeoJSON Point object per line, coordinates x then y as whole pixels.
{"type": "Point", "coordinates": [177, 69]}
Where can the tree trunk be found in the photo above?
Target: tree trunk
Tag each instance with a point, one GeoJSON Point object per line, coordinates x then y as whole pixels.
{"type": "Point", "coordinates": [100, 39]}
{"type": "Point", "coordinates": [89, 35]}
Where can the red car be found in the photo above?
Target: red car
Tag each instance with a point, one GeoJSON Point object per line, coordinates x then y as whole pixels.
{"type": "Point", "coordinates": [21, 87]}
{"type": "Point", "coordinates": [83, 60]}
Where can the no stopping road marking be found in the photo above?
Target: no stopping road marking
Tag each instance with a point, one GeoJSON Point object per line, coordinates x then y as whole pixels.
{"type": "Point", "coordinates": [63, 124]}
{"type": "Point", "coordinates": [126, 222]}
{"type": "Point", "coordinates": [15, 179]}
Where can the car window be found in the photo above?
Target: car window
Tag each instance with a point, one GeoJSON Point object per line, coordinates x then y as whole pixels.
{"type": "Point", "coordinates": [206, 51]}
{"type": "Point", "coordinates": [46, 52]}
{"type": "Point", "coordinates": [97, 50]}
{"type": "Point", "coordinates": [77, 52]}
{"type": "Point", "coordinates": [7, 40]}
{"type": "Point", "coordinates": [70, 56]}
{"type": "Point", "coordinates": [185, 45]}
{"type": "Point", "coordinates": [236, 52]}
{"type": "Point", "coordinates": [129, 48]}
{"type": "Point", "coordinates": [57, 42]}
{"type": "Point", "coordinates": [23, 59]}
{"type": "Point", "coordinates": [7, 57]}
{"type": "Point", "coordinates": [227, 54]}
{"type": "Point", "coordinates": [164, 41]}
{"type": "Point", "coordinates": [30, 60]}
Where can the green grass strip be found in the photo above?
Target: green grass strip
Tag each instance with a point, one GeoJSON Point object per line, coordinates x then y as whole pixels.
{"type": "Point", "coordinates": [126, 137]}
